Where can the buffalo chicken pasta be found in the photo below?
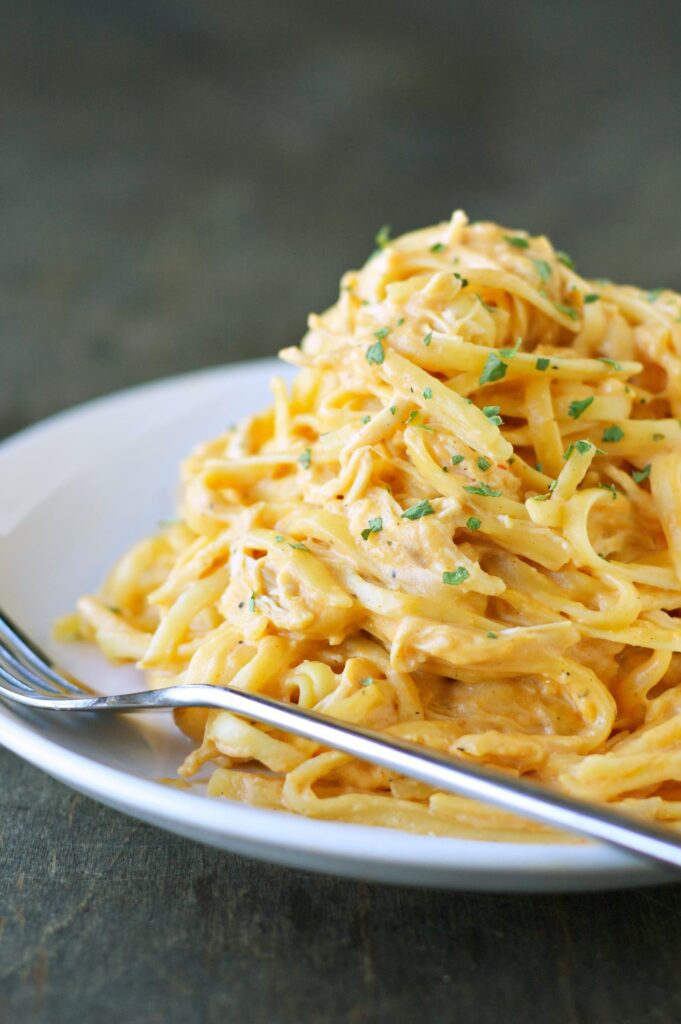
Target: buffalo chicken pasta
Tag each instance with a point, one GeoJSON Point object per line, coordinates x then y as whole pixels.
{"type": "Point", "coordinates": [459, 525]}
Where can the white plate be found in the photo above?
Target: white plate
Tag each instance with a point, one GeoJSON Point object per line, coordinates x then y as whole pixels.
{"type": "Point", "coordinates": [76, 491]}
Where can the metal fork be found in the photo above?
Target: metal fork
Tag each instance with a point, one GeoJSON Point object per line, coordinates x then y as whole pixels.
{"type": "Point", "coordinates": [30, 678]}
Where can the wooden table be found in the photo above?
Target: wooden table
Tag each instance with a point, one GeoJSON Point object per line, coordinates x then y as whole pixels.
{"type": "Point", "coordinates": [179, 184]}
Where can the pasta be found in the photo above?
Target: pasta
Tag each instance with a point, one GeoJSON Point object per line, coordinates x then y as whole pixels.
{"type": "Point", "coordinates": [460, 525]}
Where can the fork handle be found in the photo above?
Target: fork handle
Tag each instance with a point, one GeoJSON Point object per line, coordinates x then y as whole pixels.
{"type": "Point", "coordinates": [446, 773]}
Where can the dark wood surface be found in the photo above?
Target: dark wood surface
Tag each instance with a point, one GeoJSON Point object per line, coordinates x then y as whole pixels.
{"type": "Point", "coordinates": [179, 184]}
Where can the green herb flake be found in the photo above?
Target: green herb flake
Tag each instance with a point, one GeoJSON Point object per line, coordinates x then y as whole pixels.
{"type": "Point", "coordinates": [483, 490]}
{"type": "Point", "coordinates": [452, 579]}
{"type": "Point", "coordinates": [582, 447]}
{"type": "Point", "coordinates": [298, 545]}
{"type": "Point", "coordinates": [539, 467]}
{"type": "Point", "coordinates": [473, 523]}
{"type": "Point", "coordinates": [610, 362]}
{"type": "Point", "coordinates": [411, 417]}
{"type": "Point", "coordinates": [612, 434]}
{"type": "Point", "coordinates": [428, 338]}
{"type": "Point", "coordinates": [375, 354]}
{"type": "Point", "coordinates": [542, 363]}
{"type": "Point", "coordinates": [492, 636]}
{"type": "Point", "coordinates": [367, 681]}
{"type": "Point", "coordinates": [541, 497]}
{"type": "Point", "coordinates": [518, 241]}
{"type": "Point", "coordinates": [382, 333]}
{"type": "Point", "coordinates": [375, 526]}
{"type": "Point", "coordinates": [566, 310]}
{"type": "Point", "coordinates": [279, 539]}
{"type": "Point", "coordinates": [566, 260]}
{"type": "Point", "coordinates": [493, 370]}
{"type": "Point", "coordinates": [400, 321]}
{"type": "Point", "coordinates": [591, 297]}
{"type": "Point", "coordinates": [305, 459]}
{"type": "Point", "coordinates": [492, 414]}
{"type": "Point", "coordinates": [508, 353]}
{"type": "Point", "coordinates": [366, 419]}
{"type": "Point", "coordinates": [457, 460]}
{"type": "Point", "coordinates": [640, 475]}
{"type": "Point", "coordinates": [543, 268]}
{"type": "Point", "coordinates": [463, 280]}
{"type": "Point", "coordinates": [438, 247]}
{"type": "Point", "coordinates": [483, 463]}
{"type": "Point", "coordinates": [658, 437]}
{"type": "Point", "coordinates": [393, 409]}
{"type": "Point", "coordinates": [427, 392]}
{"type": "Point", "coordinates": [654, 294]}
{"type": "Point", "coordinates": [418, 511]}
{"type": "Point", "coordinates": [609, 487]}
{"type": "Point", "coordinates": [383, 236]}
{"type": "Point", "coordinates": [251, 602]}
{"type": "Point", "coordinates": [577, 407]}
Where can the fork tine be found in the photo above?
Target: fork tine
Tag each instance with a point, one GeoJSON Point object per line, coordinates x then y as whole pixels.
{"type": "Point", "coordinates": [24, 676]}
{"type": "Point", "coordinates": [33, 658]}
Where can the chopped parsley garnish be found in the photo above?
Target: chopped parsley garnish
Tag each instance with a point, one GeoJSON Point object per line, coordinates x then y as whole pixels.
{"type": "Point", "coordinates": [418, 511]}
{"type": "Point", "coordinates": [494, 369]}
{"type": "Point", "coordinates": [428, 338]}
{"type": "Point", "coordinates": [305, 458]}
{"type": "Point", "coordinates": [383, 236]}
{"type": "Point", "coordinates": [279, 539]}
{"type": "Point", "coordinates": [438, 247]}
{"type": "Point", "coordinates": [492, 636]}
{"type": "Point", "coordinates": [566, 260]}
{"type": "Point", "coordinates": [566, 310]}
{"type": "Point", "coordinates": [452, 579]}
{"type": "Point", "coordinates": [577, 407]}
{"type": "Point", "coordinates": [367, 681]}
{"type": "Point", "coordinates": [610, 362]}
{"type": "Point", "coordinates": [366, 419]}
{"type": "Point", "coordinates": [382, 333]}
{"type": "Point", "coordinates": [251, 602]}
{"type": "Point", "coordinates": [457, 459]}
{"type": "Point", "coordinates": [543, 269]}
{"type": "Point", "coordinates": [539, 467]}
{"type": "Point", "coordinates": [427, 392]}
{"type": "Point", "coordinates": [658, 437]}
{"type": "Point", "coordinates": [612, 434]}
{"type": "Point", "coordinates": [463, 280]}
{"type": "Point", "coordinates": [654, 294]}
{"type": "Point", "coordinates": [375, 353]}
{"type": "Point", "coordinates": [582, 447]}
{"type": "Point", "coordinates": [473, 523]}
{"type": "Point", "coordinates": [492, 414]}
{"type": "Point", "coordinates": [553, 485]}
{"type": "Point", "coordinates": [375, 526]}
{"type": "Point", "coordinates": [400, 321]}
{"type": "Point", "coordinates": [542, 363]}
{"type": "Point", "coordinates": [508, 353]}
{"type": "Point", "coordinates": [591, 297]}
{"type": "Point", "coordinates": [298, 545]}
{"type": "Point", "coordinates": [483, 490]}
{"type": "Point", "coordinates": [483, 463]}
{"type": "Point", "coordinates": [518, 241]}
{"type": "Point", "coordinates": [541, 497]}
{"type": "Point", "coordinates": [393, 409]}
{"type": "Point", "coordinates": [411, 417]}
{"type": "Point", "coordinates": [640, 475]}
{"type": "Point", "coordinates": [609, 487]}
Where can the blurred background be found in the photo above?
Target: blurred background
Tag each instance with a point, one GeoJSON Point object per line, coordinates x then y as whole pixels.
{"type": "Point", "coordinates": [182, 181]}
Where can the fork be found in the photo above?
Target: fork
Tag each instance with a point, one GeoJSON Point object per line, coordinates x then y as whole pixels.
{"type": "Point", "coordinates": [28, 677]}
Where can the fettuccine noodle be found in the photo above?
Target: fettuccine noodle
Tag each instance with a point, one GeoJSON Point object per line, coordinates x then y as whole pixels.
{"type": "Point", "coordinates": [460, 525]}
